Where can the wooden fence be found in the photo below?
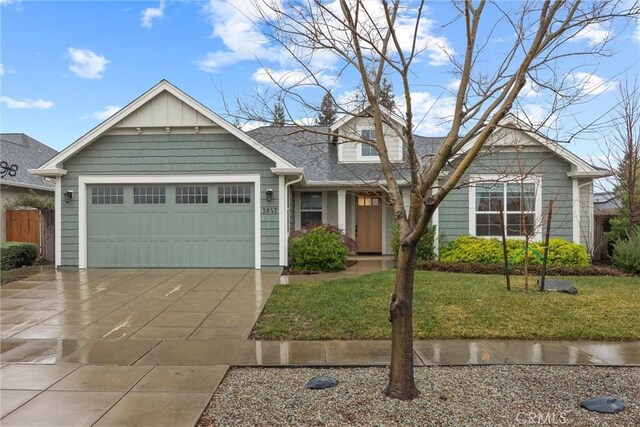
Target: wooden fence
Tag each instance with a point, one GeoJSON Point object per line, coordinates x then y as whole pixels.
{"type": "Point", "coordinates": [33, 226]}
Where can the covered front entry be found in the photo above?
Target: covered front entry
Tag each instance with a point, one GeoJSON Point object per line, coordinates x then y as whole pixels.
{"type": "Point", "coordinates": [171, 225]}
{"type": "Point", "coordinates": [369, 223]}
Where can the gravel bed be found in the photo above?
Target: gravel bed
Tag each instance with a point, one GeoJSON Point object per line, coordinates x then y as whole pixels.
{"type": "Point", "coordinates": [450, 396]}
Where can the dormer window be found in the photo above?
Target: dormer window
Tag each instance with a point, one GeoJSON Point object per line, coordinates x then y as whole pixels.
{"type": "Point", "coordinates": [367, 150]}
{"type": "Point", "coordinates": [368, 134]}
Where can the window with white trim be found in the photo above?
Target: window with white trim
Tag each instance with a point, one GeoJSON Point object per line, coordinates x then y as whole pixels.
{"type": "Point", "coordinates": [310, 208]}
{"type": "Point", "coordinates": [367, 150]}
{"type": "Point", "coordinates": [516, 199]}
{"type": "Point", "coordinates": [234, 194]}
{"type": "Point", "coordinates": [103, 195]}
{"type": "Point", "coordinates": [149, 195]}
{"type": "Point", "coordinates": [192, 195]}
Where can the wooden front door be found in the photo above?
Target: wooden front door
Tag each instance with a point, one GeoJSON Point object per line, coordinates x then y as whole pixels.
{"type": "Point", "coordinates": [23, 226]}
{"type": "Point", "coordinates": [369, 224]}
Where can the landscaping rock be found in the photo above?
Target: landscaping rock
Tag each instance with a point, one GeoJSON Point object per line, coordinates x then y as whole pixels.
{"type": "Point", "coordinates": [321, 381]}
{"type": "Point", "coordinates": [558, 286]}
{"type": "Point", "coordinates": [604, 404]}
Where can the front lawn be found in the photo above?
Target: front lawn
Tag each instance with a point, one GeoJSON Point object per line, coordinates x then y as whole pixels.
{"type": "Point", "coordinates": [451, 305]}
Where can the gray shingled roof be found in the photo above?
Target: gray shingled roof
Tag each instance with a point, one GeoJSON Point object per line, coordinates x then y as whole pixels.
{"type": "Point", "coordinates": [26, 153]}
{"type": "Point", "coordinates": [309, 149]}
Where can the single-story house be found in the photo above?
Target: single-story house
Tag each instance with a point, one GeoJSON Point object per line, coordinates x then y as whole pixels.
{"type": "Point", "coordinates": [167, 182]}
{"type": "Point", "coordinates": [18, 153]}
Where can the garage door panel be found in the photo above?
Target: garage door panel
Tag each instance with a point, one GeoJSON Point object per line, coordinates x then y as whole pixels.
{"type": "Point", "coordinates": [170, 234]}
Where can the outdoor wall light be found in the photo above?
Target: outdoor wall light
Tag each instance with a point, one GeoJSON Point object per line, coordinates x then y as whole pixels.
{"type": "Point", "coordinates": [269, 194]}
{"type": "Point", "coordinates": [68, 195]}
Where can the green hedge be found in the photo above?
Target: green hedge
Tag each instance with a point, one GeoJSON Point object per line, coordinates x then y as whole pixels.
{"type": "Point", "coordinates": [626, 252]}
{"type": "Point", "coordinates": [489, 251]}
{"type": "Point", "coordinates": [426, 248]}
{"type": "Point", "coordinates": [318, 249]}
{"type": "Point", "coordinates": [17, 254]}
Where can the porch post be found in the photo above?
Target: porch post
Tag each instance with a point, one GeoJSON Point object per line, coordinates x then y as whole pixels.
{"type": "Point", "coordinates": [342, 210]}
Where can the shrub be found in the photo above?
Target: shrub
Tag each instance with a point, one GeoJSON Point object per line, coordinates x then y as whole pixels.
{"type": "Point", "coordinates": [16, 254]}
{"type": "Point", "coordinates": [552, 270]}
{"type": "Point", "coordinates": [426, 251]}
{"type": "Point", "coordinates": [346, 240]}
{"type": "Point", "coordinates": [469, 249]}
{"type": "Point", "coordinates": [626, 252]}
{"type": "Point", "coordinates": [318, 249]}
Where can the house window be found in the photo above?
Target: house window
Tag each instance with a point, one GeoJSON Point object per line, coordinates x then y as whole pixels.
{"type": "Point", "coordinates": [368, 201]}
{"type": "Point", "coordinates": [149, 196]}
{"type": "Point", "coordinates": [192, 195]}
{"type": "Point", "coordinates": [233, 194]}
{"type": "Point", "coordinates": [518, 202]}
{"type": "Point", "coordinates": [310, 208]}
{"type": "Point", "coordinates": [107, 195]}
{"type": "Point", "coordinates": [367, 150]}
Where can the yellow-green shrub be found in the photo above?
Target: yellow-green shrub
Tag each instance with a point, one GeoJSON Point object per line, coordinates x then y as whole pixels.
{"type": "Point", "coordinates": [489, 251]}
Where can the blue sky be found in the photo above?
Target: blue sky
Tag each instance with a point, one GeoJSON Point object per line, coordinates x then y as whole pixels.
{"type": "Point", "coordinates": [66, 65]}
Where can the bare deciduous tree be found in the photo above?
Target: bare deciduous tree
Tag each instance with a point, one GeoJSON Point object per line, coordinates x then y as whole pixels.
{"type": "Point", "coordinates": [378, 40]}
{"type": "Point", "coordinates": [623, 159]}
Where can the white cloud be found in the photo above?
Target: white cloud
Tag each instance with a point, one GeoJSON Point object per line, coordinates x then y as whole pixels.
{"type": "Point", "coordinates": [593, 33]}
{"type": "Point", "coordinates": [107, 112]}
{"type": "Point", "coordinates": [636, 34]}
{"type": "Point", "coordinates": [233, 24]}
{"type": "Point", "coordinates": [150, 14]}
{"type": "Point", "coordinates": [289, 78]}
{"type": "Point", "coordinates": [536, 115]}
{"type": "Point", "coordinates": [253, 124]}
{"type": "Point", "coordinates": [1, 69]}
{"type": "Point", "coordinates": [590, 84]}
{"type": "Point", "coordinates": [8, 2]}
{"type": "Point", "coordinates": [431, 115]}
{"type": "Point", "coordinates": [23, 104]}
{"type": "Point", "coordinates": [86, 64]}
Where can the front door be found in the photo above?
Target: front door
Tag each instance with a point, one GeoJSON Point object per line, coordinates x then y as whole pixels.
{"type": "Point", "coordinates": [369, 224]}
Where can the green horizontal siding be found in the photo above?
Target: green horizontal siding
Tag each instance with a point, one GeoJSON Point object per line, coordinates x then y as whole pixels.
{"type": "Point", "coordinates": [169, 154]}
{"type": "Point", "coordinates": [556, 185]}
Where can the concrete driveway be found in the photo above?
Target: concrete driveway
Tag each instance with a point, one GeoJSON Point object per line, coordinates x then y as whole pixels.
{"type": "Point", "coordinates": [70, 340]}
{"type": "Point", "coordinates": [162, 304]}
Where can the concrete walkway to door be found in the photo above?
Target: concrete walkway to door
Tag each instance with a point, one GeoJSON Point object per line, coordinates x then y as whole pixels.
{"type": "Point", "coordinates": [150, 347]}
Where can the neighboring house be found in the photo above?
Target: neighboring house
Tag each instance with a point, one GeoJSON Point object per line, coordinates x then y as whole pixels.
{"type": "Point", "coordinates": [605, 206]}
{"type": "Point", "coordinates": [18, 153]}
{"type": "Point", "coordinates": [166, 182]}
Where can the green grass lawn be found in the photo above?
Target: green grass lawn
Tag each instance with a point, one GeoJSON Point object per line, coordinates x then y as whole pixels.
{"type": "Point", "coordinates": [452, 305]}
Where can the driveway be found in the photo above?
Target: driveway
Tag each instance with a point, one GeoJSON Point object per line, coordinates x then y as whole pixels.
{"type": "Point", "coordinates": [70, 340]}
{"type": "Point", "coordinates": [153, 304]}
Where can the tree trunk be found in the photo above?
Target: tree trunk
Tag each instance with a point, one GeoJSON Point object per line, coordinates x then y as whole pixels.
{"type": "Point", "coordinates": [401, 382]}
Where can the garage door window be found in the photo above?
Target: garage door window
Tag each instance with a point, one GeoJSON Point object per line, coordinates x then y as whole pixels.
{"type": "Point", "coordinates": [107, 196]}
{"type": "Point", "coordinates": [148, 195]}
{"type": "Point", "coordinates": [192, 195]}
{"type": "Point", "coordinates": [228, 194]}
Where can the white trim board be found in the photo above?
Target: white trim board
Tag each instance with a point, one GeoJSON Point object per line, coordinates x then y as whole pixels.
{"type": "Point", "coordinates": [163, 85]}
{"type": "Point", "coordinates": [85, 180]}
{"type": "Point", "coordinates": [502, 179]}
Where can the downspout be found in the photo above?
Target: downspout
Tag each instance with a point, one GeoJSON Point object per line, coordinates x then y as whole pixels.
{"type": "Point", "coordinates": [286, 201]}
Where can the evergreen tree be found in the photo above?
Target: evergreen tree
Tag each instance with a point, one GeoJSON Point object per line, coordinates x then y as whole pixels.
{"type": "Point", "coordinates": [387, 97]}
{"type": "Point", "coordinates": [278, 113]}
{"type": "Point", "coordinates": [328, 111]}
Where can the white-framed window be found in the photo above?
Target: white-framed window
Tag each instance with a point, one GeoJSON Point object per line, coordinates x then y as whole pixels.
{"type": "Point", "coordinates": [192, 195]}
{"type": "Point", "coordinates": [310, 208]}
{"type": "Point", "coordinates": [149, 195]}
{"type": "Point", "coordinates": [366, 150]}
{"type": "Point", "coordinates": [520, 202]}
{"type": "Point", "coordinates": [107, 195]}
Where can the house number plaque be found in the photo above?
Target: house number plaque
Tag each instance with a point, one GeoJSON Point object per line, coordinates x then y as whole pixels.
{"type": "Point", "coordinates": [269, 211]}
